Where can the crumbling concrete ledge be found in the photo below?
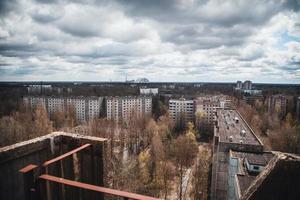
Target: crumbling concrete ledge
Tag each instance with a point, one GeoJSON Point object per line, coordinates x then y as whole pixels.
{"type": "Point", "coordinates": [20, 149]}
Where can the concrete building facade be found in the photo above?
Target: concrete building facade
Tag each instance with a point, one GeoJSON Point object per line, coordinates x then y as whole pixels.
{"type": "Point", "coordinates": [123, 108]}
{"type": "Point", "coordinates": [200, 111]}
{"type": "Point", "coordinates": [205, 111]}
{"type": "Point", "coordinates": [182, 111]}
{"type": "Point", "coordinates": [239, 84]}
{"type": "Point", "coordinates": [148, 91]}
{"type": "Point", "coordinates": [37, 89]}
{"type": "Point", "coordinates": [247, 85]}
{"type": "Point", "coordinates": [231, 132]}
{"type": "Point", "coordinates": [298, 109]}
{"type": "Point", "coordinates": [277, 104]}
{"type": "Point", "coordinates": [86, 108]}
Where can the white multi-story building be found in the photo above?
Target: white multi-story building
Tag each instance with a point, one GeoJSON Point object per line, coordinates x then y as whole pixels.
{"type": "Point", "coordinates": [201, 111]}
{"type": "Point", "coordinates": [239, 85]}
{"type": "Point", "coordinates": [182, 111]}
{"type": "Point", "coordinates": [277, 104]}
{"type": "Point", "coordinates": [94, 107]}
{"type": "Point", "coordinates": [148, 91]}
{"type": "Point", "coordinates": [206, 109]}
{"type": "Point", "coordinates": [79, 104]}
{"type": "Point", "coordinates": [33, 102]}
{"type": "Point", "coordinates": [123, 108]}
{"type": "Point", "coordinates": [247, 85]}
{"type": "Point", "coordinates": [298, 109]}
{"type": "Point", "coordinates": [55, 104]}
{"type": "Point", "coordinates": [86, 108]}
{"type": "Point", "coordinates": [112, 108]}
{"type": "Point", "coordinates": [37, 89]}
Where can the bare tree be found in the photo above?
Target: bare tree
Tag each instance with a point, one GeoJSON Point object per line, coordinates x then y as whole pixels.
{"type": "Point", "coordinates": [200, 175]}
{"type": "Point", "coordinates": [42, 124]}
{"type": "Point", "coordinates": [184, 151]}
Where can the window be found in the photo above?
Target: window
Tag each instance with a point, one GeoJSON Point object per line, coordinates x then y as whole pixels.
{"type": "Point", "coordinates": [256, 167]}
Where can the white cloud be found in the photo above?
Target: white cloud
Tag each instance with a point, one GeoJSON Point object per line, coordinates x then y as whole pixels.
{"type": "Point", "coordinates": [164, 41]}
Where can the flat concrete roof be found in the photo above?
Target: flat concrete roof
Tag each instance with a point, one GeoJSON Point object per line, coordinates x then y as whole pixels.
{"type": "Point", "coordinates": [254, 158]}
{"type": "Point", "coordinates": [244, 178]}
{"type": "Point", "coordinates": [234, 129]}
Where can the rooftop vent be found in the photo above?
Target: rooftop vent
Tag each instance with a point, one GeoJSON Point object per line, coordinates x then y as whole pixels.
{"type": "Point", "coordinates": [243, 133]}
{"type": "Point", "coordinates": [253, 168]}
{"type": "Point", "coordinates": [236, 120]}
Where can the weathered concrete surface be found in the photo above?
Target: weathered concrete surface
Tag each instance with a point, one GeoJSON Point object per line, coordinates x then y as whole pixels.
{"type": "Point", "coordinates": [41, 149]}
{"type": "Point", "coordinates": [279, 179]}
{"type": "Point", "coordinates": [227, 136]}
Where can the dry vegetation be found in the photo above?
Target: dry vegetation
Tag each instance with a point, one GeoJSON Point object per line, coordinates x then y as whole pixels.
{"type": "Point", "coordinates": [23, 125]}
{"type": "Point", "coordinates": [276, 134]}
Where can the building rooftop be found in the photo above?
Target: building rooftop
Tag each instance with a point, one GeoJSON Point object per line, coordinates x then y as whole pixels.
{"type": "Point", "coordinates": [128, 97]}
{"type": "Point", "coordinates": [254, 158]}
{"type": "Point", "coordinates": [244, 181]}
{"type": "Point", "coordinates": [232, 128]}
{"type": "Point", "coordinates": [243, 177]}
{"type": "Point", "coordinates": [278, 180]}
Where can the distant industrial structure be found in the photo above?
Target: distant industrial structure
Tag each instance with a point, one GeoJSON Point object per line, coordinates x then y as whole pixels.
{"type": "Point", "coordinates": [123, 108]}
{"type": "Point", "coordinates": [139, 80]}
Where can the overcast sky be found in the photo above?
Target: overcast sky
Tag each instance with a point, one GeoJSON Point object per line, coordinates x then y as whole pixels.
{"type": "Point", "coordinates": [162, 40]}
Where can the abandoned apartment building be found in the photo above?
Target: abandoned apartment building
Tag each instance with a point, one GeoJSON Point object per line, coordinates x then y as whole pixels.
{"type": "Point", "coordinates": [57, 166]}
{"type": "Point", "coordinates": [241, 169]}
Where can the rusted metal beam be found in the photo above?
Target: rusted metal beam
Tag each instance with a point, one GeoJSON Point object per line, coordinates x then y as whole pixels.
{"type": "Point", "coordinates": [29, 182]}
{"type": "Point", "coordinates": [28, 168]}
{"type": "Point", "coordinates": [65, 155]}
{"type": "Point", "coordinates": [95, 188]}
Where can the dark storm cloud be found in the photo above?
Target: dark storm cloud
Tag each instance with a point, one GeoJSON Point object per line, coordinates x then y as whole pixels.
{"type": "Point", "coordinates": [47, 1]}
{"type": "Point", "coordinates": [237, 12]}
{"type": "Point", "coordinates": [292, 5]}
{"type": "Point", "coordinates": [292, 66]}
{"type": "Point", "coordinates": [18, 50]}
{"type": "Point", "coordinates": [207, 36]}
{"type": "Point", "coordinates": [44, 18]}
{"type": "Point", "coordinates": [79, 32]}
{"type": "Point", "coordinates": [7, 6]}
{"type": "Point", "coordinates": [226, 23]}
